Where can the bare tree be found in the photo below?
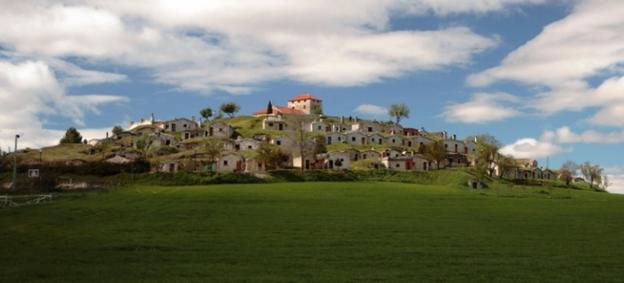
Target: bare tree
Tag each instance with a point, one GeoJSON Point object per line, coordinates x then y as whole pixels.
{"type": "Point", "coordinates": [567, 172]}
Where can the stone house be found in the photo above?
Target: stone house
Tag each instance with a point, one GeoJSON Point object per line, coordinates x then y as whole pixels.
{"type": "Point", "coordinates": [247, 144]}
{"type": "Point", "coordinates": [274, 123]}
{"type": "Point", "coordinates": [306, 103]}
{"type": "Point", "coordinates": [180, 125]}
{"type": "Point", "coordinates": [356, 137]}
{"type": "Point", "coordinates": [335, 138]}
{"type": "Point", "coordinates": [375, 138]}
{"type": "Point", "coordinates": [370, 154]}
{"type": "Point", "coordinates": [367, 127]}
{"type": "Point", "coordinates": [337, 160]}
{"type": "Point", "coordinates": [218, 129]}
{"type": "Point", "coordinates": [230, 162]}
{"type": "Point", "coordinates": [394, 140]}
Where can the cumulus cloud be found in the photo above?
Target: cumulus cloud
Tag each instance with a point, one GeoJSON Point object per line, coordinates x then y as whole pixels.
{"type": "Point", "coordinates": [565, 135]}
{"type": "Point", "coordinates": [616, 179]}
{"type": "Point", "coordinates": [213, 45]}
{"type": "Point", "coordinates": [531, 148]}
{"type": "Point", "coordinates": [565, 56]}
{"type": "Point", "coordinates": [30, 92]}
{"type": "Point", "coordinates": [482, 108]}
{"type": "Point", "coordinates": [371, 109]}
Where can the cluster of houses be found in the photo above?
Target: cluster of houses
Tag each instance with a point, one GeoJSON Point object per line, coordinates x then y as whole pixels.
{"type": "Point", "coordinates": [349, 141]}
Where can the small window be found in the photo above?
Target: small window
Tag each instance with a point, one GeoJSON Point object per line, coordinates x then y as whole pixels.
{"type": "Point", "coordinates": [278, 142]}
{"type": "Point", "coordinates": [353, 139]}
{"type": "Point", "coordinates": [220, 129]}
{"type": "Point", "coordinates": [249, 147]}
{"type": "Point", "coordinates": [270, 124]}
{"type": "Point", "coordinates": [225, 163]}
{"type": "Point", "coordinates": [184, 125]}
{"type": "Point", "coordinates": [370, 129]}
{"type": "Point", "coordinates": [397, 165]}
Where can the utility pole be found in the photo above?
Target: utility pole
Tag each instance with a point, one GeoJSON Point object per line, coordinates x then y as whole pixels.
{"type": "Point", "coordinates": [15, 164]}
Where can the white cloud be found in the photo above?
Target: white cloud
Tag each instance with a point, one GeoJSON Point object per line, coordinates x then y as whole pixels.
{"type": "Point", "coordinates": [482, 108]}
{"type": "Point", "coordinates": [236, 45]}
{"type": "Point", "coordinates": [616, 179]}
{"type": "Point", "coordinates": [29, 92]}
{"type": "Point", "coordinates": [565, 135]}
{"type": "Point", "coordinates": [531, 148]}
{"type": "Point", "coordinates": [565, 56]}
{"type": "Point", "coordinates": [370, 109]}
{"type": "Point", "coordinates": [445, 7]}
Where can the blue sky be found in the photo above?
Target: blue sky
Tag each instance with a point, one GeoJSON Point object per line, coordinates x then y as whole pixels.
{"type": "Point", "coordinates": [544, 77]}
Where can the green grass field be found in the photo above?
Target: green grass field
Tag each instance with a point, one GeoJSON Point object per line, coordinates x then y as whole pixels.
{"type": "Point", "coordinates": [316, 232]}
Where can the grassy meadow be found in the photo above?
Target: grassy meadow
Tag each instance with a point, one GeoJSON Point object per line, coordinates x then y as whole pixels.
{"type": "Point", "coordinates": [359, 231]}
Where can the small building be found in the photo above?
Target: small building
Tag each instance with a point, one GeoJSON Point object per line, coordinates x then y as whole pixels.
{"type": "Point", "coordinates": [367, 126]}
{"type": "Point", "coordinates": [337, 160]}
{"type": "Point", "coordinates": [335, 138]}
{"type": "Point", "coordinates": [218, 129]}
{"type": "Point", "coordinates": [370, 154]}
{"type": "Point", "coordinates": [375, 138]}
{"type": "Point", "coordinates": [169, 167]}
{"type": "Point", "coordinates": [274, 123]}
{"type": "Point", "coordinates": [356, 137]}
{"type": "Point", "coordinates": [394, 140]}
{"type": "Point", "coordinates": [180, 125]}
{"type": "Point", "coordinates": [247, 144]}
{"type": "Point", "coordinates": [230, 162]}
{"type": "Point", "coordinates": [306, 103]}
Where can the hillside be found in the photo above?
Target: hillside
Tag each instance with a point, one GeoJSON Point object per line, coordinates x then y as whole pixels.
{"type": "Point", "coordinates": [316, 232]}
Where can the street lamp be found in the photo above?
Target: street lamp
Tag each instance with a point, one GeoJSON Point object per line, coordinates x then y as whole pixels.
{"type": "Point", "coordinates": [15, 164]}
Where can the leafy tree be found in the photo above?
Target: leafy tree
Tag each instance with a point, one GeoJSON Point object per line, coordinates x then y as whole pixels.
{"type": "Point", "coordinates": [71, 136]}
{"type": "Point", "coordinates": [505, 164]}
{"type": "Point", "coordinates": [206, 113]}
{"type": "Point", "coordinates": [435, 151]}
{"type": "Point", "coordinates": [319, 145]}
{"type": "Point", "coordinates": [117, 131]}
{"type": "Point", "coordinates": [591, 172]}
{"type": "Point", "coordinates": [568, 171]}
{"type": "Point", "coordinates": [230, 108]}
{"type": "Point", "coordinates": [398, 111]}
{"type": "Point", "coordinates": [486, 153]}
{"type": "Point", "coordinates": [213, 148]}
{"type": "Point", "coordinates": [271, 155]}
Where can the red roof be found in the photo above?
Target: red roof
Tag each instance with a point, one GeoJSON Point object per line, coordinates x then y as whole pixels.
{"type": "Point", "coordinates": [280, 110]}
{"type": "Point", "coordinates": [304, 96]}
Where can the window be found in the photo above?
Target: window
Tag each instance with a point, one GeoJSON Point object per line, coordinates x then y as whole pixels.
{"type": "Point", "coordinates": [397, 165]}
{"type": "Point", "coordinates": [270, 124]}
{"type": "Point", "coordinates": [278, 142]}
{"type": "Point", "coordinates": [184, 125]}
{"type": "Point", "coordinates": [352, 139]}
{"type": "Point", "coordinates": [393, 140]}
{"type": "Point", "coordinates": [225, 163]}
{"type": "Point", "coordinates": [249, 147]}
{"type": "Point", "coordinates": [220, 129]}
{"type": "Point", "coordinates": [370, 129]}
